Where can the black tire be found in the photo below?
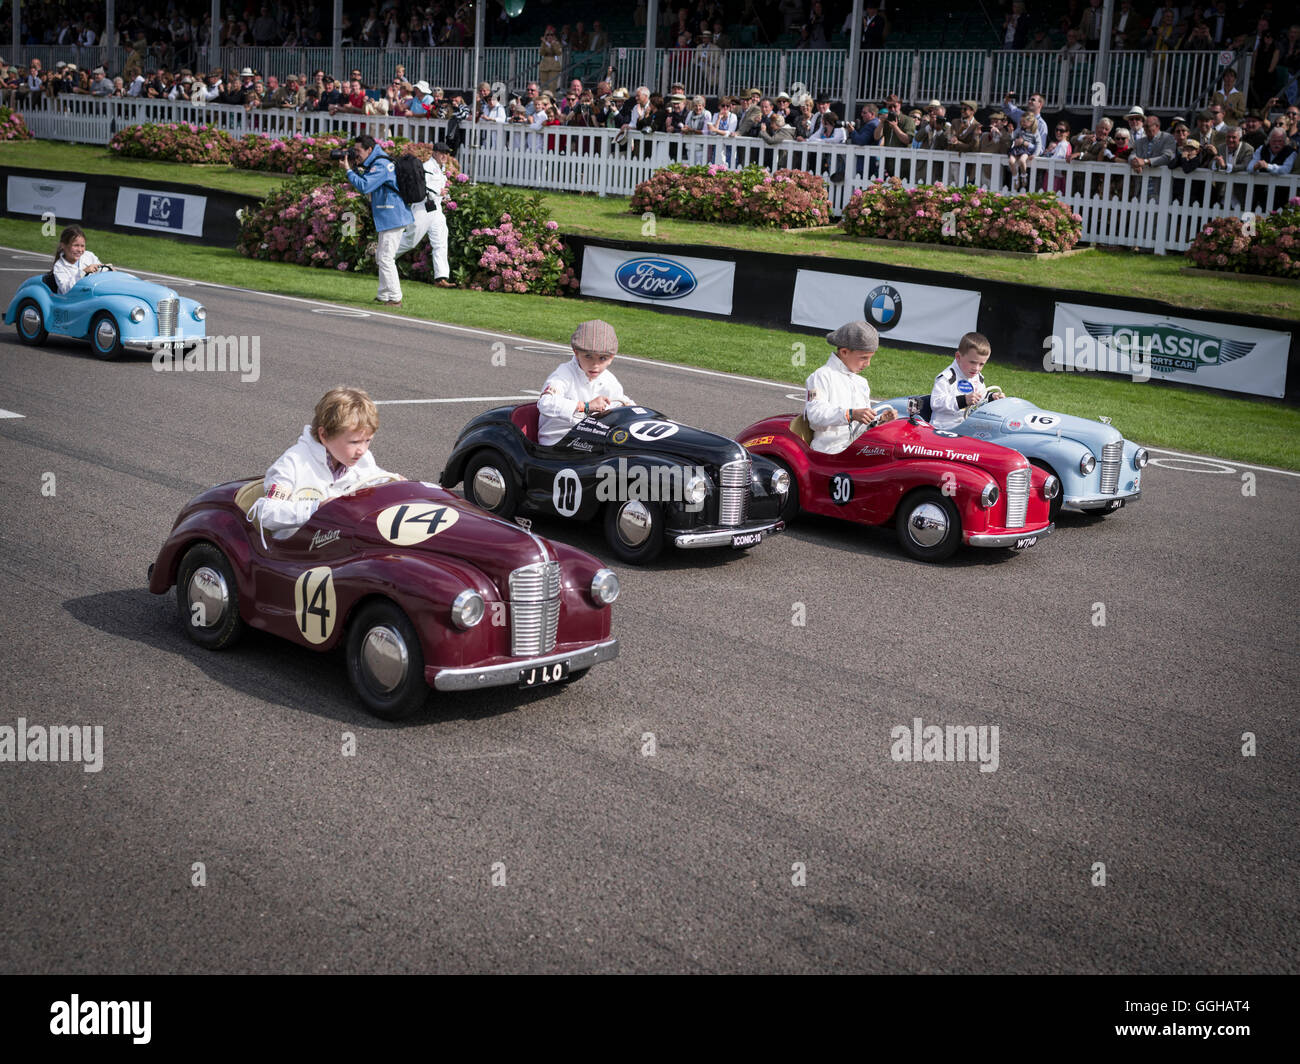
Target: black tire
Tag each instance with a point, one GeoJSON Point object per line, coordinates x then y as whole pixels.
{"type": "Point", "coordinates": [403, 693]}
{"type": "Point", "coordinates": [205, 579]}
{"type": "Point", "coordinates": [481, 494]}
{"type": "Point", "coordinates": [1054, 505]}
{"type": "Point", "coordinates": [921, 543]}
{"type": "Point", "coordinates": [644, 549]}
{"type": "Point", "coordinates": [789, 508]}
{"type": "Point", "coordinates": [106, 337]}
{"type": "Point", "coordinates": [34, 331]}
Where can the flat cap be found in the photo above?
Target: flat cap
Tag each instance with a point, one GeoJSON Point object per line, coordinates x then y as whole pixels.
{"type": "Point", "coordinates": [594, 338]}
{"type": "Point", "coordinates": [971, 104]}
{"type": "Point", "coordinates": [856, 336]}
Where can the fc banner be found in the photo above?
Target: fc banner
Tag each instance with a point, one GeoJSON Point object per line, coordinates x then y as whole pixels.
{"type": "Point", "coordinates": [1232, 357]}
{"type": "Point", "coordinates": [658, 280]}
{"type": "Point", "coordinates": [901, 312]}
{"type": "Point", "coordinates": [170, 212]}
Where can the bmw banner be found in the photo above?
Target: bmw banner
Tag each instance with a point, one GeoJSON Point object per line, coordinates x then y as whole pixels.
{"type": "Point", "coordinates": [901, 312]}
{"type": "Point", "coordinates": [170, 212]}
{"type": "Point", "coordinates": [1158, 347]}
{"type": "Point", "coordinates": [658, 280]}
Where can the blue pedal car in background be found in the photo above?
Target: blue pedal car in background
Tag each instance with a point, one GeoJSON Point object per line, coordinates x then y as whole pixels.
{"type": "Point", "coordinates": [111, 309]}
{"type": "Point", "coordinates": [1098, 469]}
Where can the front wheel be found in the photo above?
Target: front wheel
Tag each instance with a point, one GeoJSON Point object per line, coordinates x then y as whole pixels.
{"type": "Point", "coordinates": [928, 526]}
{"type": "Point", "coordinates": [386, 663]}
{"type": "Point", "coordinates": [634, 530]}
{"type": "Point", "coordinates": [106, 337]}
{"type": "Point", "coordinates": [1054, 505]}
{"type": "Point", "coordinates": [208, 597]}
{"type": "Point", "coordinates": [31, 323]}
{"type": "Point", "coordinates": [489, 484]}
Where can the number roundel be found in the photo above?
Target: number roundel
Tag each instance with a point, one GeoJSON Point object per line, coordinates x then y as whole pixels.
{"type": "Point", "coordinates": [414, 522]}
{"type": "Point", "coordinates": [566, 493]}
{"type": "Point", "coordinates": [315, 608]}
{"type": "Point", "coordinates": [1042, 421]}
{"type": "Point", "coordinates": [650, 431]}
{"type": "Point", "coordinates": [841, 488]}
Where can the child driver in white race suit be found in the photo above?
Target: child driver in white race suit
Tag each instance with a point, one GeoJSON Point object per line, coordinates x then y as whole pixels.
{"type": "Point", "coordinates": [428, 219]}
{"type": "Point", "coordinates": [331, 458]}
{"type": "Point", "coordinates": [838, 405]}
{"type": "Point", "coordinates": [583, 385]}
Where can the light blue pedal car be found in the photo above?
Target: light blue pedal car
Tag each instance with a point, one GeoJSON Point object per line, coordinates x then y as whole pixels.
{"type": "Point", "coordinates": [1098, 469]}
{"type": "Point", "coordinates": [113, 310]}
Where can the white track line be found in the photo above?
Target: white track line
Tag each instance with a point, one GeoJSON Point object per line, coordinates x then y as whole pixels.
{"type": "Point", "coordinates": [422, 323]}
{"type": "Point", "coordinates": [10, 413]}
{"type": "Point", "coordinates": [465, 399]}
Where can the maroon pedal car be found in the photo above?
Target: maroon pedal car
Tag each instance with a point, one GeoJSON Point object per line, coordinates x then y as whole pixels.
{"type": "Point", "coordinates": [939, 490]}
{"type": "Point", "coordinates": [423, 589]}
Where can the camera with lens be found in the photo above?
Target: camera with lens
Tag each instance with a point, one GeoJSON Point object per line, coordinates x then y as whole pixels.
{"type": "Point", "coordinates": [351, 153]}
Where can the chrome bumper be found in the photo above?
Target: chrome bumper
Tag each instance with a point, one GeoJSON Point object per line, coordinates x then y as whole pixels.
{"type": "Point", "coordinates": [1092, 501]}
{"type": "Point", "coordinates": [722, 537]}
{"type": "Point", "coordinates": [508, 673]}
{"type": "Point", "coordinates": [165, 344]}
{"type": "Point", "coordinates": [1009, 539]}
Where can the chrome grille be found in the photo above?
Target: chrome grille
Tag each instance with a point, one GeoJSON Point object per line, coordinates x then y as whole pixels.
{"type": "Point", "coordinates": [733, 502]}
{"type": "Point", "coordinates": [534, 608]}
{"type": "Point", "coordinates": [1111, 455]}
{"type": "Point", "coordinates": [167, 310]}
{"type": "Point", "coordinates": [1017, 497]}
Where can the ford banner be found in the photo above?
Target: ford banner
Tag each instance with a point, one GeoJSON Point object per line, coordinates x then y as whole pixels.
{"type": "Point", "coordinates": [658, 280]}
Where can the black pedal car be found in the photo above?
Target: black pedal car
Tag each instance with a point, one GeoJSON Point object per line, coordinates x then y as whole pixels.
{"type": "Point", "coordinates": [649, 478]}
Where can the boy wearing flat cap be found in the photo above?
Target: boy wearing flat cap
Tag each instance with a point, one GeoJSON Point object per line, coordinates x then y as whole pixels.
{"type": "Point", "coordinates": [838, 407]}
{"type": "Point", "coordinates": [581, 387]}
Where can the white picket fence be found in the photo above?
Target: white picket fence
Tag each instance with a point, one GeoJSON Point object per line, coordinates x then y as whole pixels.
{"type": "Point", "coordinates": [1168, 82]}
{"type": "Point", "coordinates": [1161, 213]}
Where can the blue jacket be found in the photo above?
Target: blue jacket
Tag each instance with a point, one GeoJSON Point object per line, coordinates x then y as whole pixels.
{"type": "Point", "coordinates": [379, 181]}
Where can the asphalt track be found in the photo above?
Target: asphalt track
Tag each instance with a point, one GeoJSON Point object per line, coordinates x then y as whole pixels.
{"type": "Point", "coordinates": [1118, 744]}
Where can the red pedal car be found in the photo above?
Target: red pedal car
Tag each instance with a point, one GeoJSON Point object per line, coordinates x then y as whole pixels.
{"type": "Point", "coordinates": [424, 590]}
{"type": "Point", "coordinates": [939, 490]}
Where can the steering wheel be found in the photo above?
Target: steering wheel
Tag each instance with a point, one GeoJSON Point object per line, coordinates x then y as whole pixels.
{"type": "Point", "coordinates": [373, 482]}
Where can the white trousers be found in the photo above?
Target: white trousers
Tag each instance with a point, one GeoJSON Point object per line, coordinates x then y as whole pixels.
{"type": "Point", "coordinates": [390, 285]}
{"type": "Point", "coordinates": [432, 224]}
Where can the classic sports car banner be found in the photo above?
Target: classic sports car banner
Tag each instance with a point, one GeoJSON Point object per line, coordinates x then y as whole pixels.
{"type": "Point", "coordinates": [648, 279]}
{"type": "Point", "coordinates": [1233, 357]}
{"type": "Point", "coordinates": [912, 313]}
{"type": "Point", "coordinates": [39, 195]}
{"type": "Point", "coordinates": [172, 212]}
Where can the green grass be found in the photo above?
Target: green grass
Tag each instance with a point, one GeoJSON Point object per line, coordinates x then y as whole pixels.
{"type": "Point", "coordinates": [1102, 272]}
{"type": "Point", "coordinates": [1182, 419]}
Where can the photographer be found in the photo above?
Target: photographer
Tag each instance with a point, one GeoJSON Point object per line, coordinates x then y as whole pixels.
{"type": "Point", "coordinates": [370, 171]}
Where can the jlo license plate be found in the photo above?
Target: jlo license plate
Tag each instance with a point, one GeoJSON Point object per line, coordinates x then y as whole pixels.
{"type": "Point", "coordinates": [543, 674]}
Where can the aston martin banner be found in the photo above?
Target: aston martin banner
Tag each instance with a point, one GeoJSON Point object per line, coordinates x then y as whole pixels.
{"type": "Point", "coordinates": [1232, 357]}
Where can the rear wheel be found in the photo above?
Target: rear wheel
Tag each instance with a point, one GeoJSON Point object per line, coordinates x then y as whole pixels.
{"type": "Point", "coordinates": [386, 663]}
{"type": "Point", "coordinates": [208, 597]}
{"type": "Point", "coordinates": [31, 323]}
{"type": "Point", "coordinates": [634, 530]}
{"type": "Point", "coordinates": [490, 484]}
{"type": "Point", "coordinates": [1054, 505]}
{"type": "Point", "coordinates": [106, 337]}
{"type": "Point", "coordinates": [928, 526]}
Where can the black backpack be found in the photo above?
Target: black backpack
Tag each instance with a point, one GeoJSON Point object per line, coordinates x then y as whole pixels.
{"type": "Point", "coordinates": [410, 179]}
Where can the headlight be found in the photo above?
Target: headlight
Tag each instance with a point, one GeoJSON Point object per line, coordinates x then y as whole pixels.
{"type": "Point", "coordinates": [137, 314]}
{"type": "Point", "coordinates": [200, 314]}
{"type": "Point", "coordinates": [1087, 464]}
{"type": "Point", "coordinates": [1051, 488]}
{"type": "Point", "coordinates": [467, 610]}
{"type": "Point", "coordinates": [604, 587]}
{"type": "Point", "coordinates": [989, 495]}
{"type": "Point", "coordinates": [780, 482]}
{"type": "Point", "coordinates": [1141, 458]}
{"type": "Point", "coordinates": [694, 490]}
